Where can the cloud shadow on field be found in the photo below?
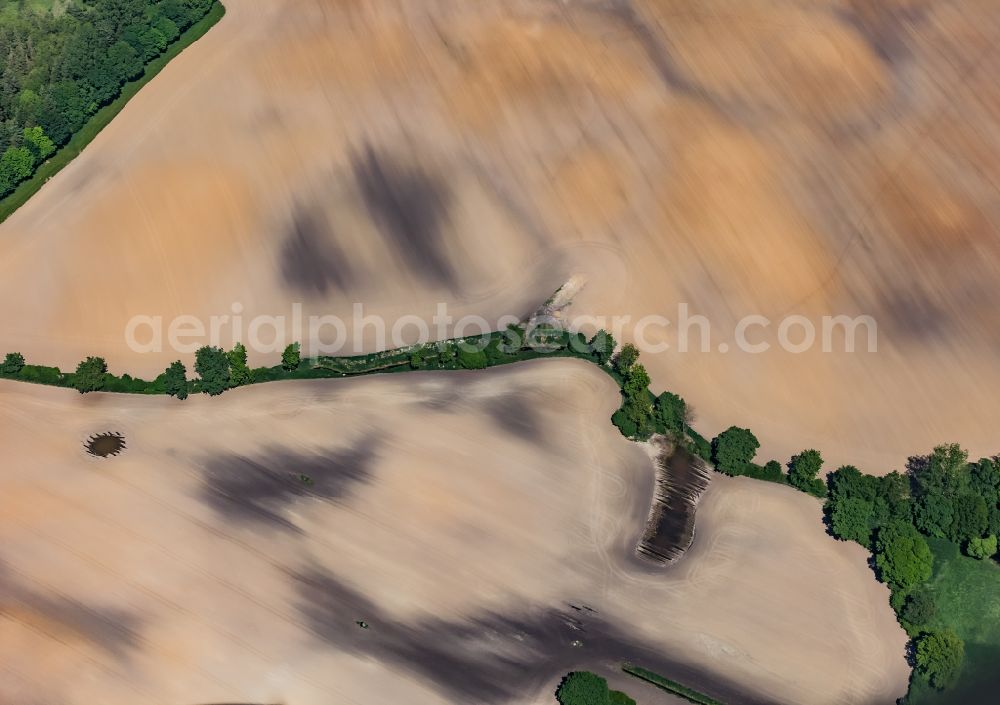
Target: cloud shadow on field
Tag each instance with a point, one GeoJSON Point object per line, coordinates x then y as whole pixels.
{"type": "Point", "coordinates": [113, 630]}
{"type": "Point", "coordinates": [410, 208]}
{"type": "Point", "coordinates": [490, 658]}
{"type": "Point", "coordinates": [260, 488]}
{"type": "Point", "coordinates": [515, 415]}
{"type": "Point", "coordinates": [911, 313]}
{"type": "Point", "coordinates": [311, 260]}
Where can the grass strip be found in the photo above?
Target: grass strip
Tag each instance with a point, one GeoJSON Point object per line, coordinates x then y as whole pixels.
{"type": "Point", "coordinates": [670, 686]}
{"type": "Point", "coordinates": [19, 196]}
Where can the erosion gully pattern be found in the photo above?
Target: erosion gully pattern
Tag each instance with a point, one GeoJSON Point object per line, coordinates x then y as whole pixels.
{"type": "Point", "coordinates": [681, 479]}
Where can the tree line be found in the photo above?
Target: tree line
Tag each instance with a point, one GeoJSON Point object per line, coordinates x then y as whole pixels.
{"type": "Point", "coordinates": [61, 65]}
{"type": "Point", "coordinates": [218, 370]}
{"type": "Point", "coordinates": [941, 495]}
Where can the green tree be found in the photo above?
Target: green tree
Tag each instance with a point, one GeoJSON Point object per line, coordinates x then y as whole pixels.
{"type": "Point", "coordinates": [39, 143]}
{"type": "Point", "coordinates": [602, 346]}
{"type": "Point", "coordinates": [934, 514]}
{"type": "Point", "coordinates": [12, 364]}
{"type": "Point", "coordinates": [671, 414]}
{"type": "Point", "coordinates": [939, 657]}
{"type": "Point", "coordinates": [919, 608]}
{"type": "Point", "coordinates": [90, 375]}
{"type": "Point", "coordinates": [212, 366]}
{"type": "Point", "coordinates": [29, 104]}
{"type": "Point", "coordinates": [624, 423]}
{"type": "Point", "coordinates": [167, 28]}
{"type": "Point", "coordinates": [291, 358]}
{"type": "Point", "coordinates": [971, 518]}
{"type": "Point", "coordinates": [984, 479]}
{"type": "Point", "coordinates": [938, 479]}
{"type": "Point", "coordinates": [63, 111]}
{"type": "Point", "coordinates": [636, 381]}
{"type": "Point", "coordinates": [16, 165]}
{"type": "Point", "coordinates": [239, 373]}
{"type": "Point", "coordinates": [626, 357]}
{"type": "Point", "coordinates": [418, 359]}
{"type": "Point", "coordinates": [850, 519]}
{"type": "Point", "coordinates": [982, 548]}
{"type": "Point", "coordinates": [175, 380]}
{"type": "Point", "coordinates": [638, 405]}
{"type": "Point", "coordinates": [902, 555]}
{"type": "Point", "coordinates": [734, 449]}
{"type": "Point", "coordinates": [803, 471]}
{"type": "Point", "coordinates": [583, 688]}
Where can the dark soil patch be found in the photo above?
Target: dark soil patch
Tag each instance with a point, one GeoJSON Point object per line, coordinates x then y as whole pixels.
{"type": "Point", "coordinates": [105, 445]}
{"type": "Point", "coordinates": [681, 478]}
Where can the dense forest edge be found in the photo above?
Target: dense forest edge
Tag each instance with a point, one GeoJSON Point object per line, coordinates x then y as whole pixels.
{"type": "Point", "coordinates": [68, 68]}
{"type": "Point", "coordinates": [932, 530]}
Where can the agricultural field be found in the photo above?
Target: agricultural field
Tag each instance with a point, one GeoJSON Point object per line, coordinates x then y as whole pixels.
{"type": "Point", "coordinates": [455, 531]}
{"type": "Point", "coordinates": [482, 525]}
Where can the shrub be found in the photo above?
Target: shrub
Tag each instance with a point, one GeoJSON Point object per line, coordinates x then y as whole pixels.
{"type": "Point", "coordinates": [418, 359]}
{"type": "Point", "coordinates": [700, 445]}
{"type": "Point", "coordinates": [769, 472]}
{"type": "Point", "coordinates": [982, 548]}
{"type": "Point", "coordinates": [41, 374]}
{"type": "Point", "coordinates": [471, 359]}
{"type": "Point", "coordinates": [496, 353]}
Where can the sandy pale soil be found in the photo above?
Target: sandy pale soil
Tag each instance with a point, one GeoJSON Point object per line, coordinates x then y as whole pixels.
{"type": "Point", "coordinates": [460, 515]}
{"type": "Point", "coordinates": [746, 157]}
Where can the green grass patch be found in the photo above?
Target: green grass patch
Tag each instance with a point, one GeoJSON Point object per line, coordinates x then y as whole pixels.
{"type": "Point", "coordinates": [19, 196]}
{"type": "Point", "coordinates": [967, 599]}
{"type": "Point", "coordinates": [672, 687]}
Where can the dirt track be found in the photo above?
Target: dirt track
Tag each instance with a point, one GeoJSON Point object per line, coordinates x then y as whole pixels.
{"type": "Point", "coordinates": [198, 567]}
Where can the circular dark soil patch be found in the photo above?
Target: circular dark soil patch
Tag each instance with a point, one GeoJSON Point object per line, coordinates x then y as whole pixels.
{"type": "Point", "coordinates": [107, 444]}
